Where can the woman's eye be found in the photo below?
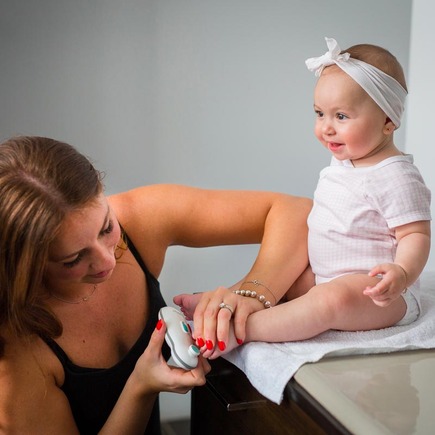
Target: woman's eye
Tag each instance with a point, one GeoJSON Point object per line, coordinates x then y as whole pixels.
{"type": "Point", "coordinates": [109, 228]}
{"type": "Point", "coordinates": [74, 262]}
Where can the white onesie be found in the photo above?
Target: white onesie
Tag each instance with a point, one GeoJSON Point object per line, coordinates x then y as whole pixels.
{"type": "Point", "coordinates": [355, 211]}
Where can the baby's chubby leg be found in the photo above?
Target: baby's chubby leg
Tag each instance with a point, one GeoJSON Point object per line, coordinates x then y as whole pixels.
{"type": "Point", "coordinates": [339, 304]}
{"type": "Point", "coordinates": [342, 305]}
{"type": "Point", "coordinates": [356, 311]}
{"type": "Point", "coordinates": [301, 286]}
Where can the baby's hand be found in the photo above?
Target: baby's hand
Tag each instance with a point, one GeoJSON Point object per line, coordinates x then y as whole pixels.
{"type": "Point", "coordinates": [391, 285]}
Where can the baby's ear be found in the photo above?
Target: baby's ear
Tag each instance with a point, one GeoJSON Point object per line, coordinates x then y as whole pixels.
{"type": "Point", "coordinates": [389, 127]}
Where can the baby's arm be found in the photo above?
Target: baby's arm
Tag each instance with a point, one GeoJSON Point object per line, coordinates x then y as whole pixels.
{"type": "Point", "coordinates": [412, 253]}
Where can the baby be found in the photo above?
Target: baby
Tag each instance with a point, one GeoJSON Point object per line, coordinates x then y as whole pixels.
{"type": "Point", "coordinates": [369, 229]}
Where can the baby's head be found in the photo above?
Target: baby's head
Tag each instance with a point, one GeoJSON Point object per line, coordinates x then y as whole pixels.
{"type": "Point", "coordinates": [380, 58]}
{"type": "Point", "coordinates": [373, 68]}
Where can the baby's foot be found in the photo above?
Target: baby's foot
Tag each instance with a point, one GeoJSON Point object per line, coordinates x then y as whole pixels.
{"type": "Point", "coordinates": [187, 303]}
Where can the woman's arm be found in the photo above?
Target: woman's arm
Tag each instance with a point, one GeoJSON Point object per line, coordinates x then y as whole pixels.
{"type": "Point", "coordinates": [32, 402]}
{"type": "Point", "coordinates": [282, 258]}
{"type": "Point", "coordinates": [150, 377]}
{"type": "Point", "coordinates": [156, 217]}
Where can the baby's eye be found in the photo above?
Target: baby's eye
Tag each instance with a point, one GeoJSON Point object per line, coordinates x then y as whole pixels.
{"type": "Point", "coordinates": [319, 113]}
{"type": "Point", "coordinates": [341, 116]}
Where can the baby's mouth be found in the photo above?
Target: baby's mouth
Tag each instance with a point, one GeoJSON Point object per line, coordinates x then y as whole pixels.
{"type": "Point", "coordinates": [334, 146]}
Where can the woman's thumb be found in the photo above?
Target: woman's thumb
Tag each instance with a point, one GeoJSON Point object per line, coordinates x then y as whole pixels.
{"type": "Point", "coordinates": [158, 336]}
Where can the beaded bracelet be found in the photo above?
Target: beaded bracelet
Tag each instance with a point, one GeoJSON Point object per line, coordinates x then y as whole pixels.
{"type": "Point", "coordinates": [257, 283]}
{"type": "Point", "coordinates": [254, 294]}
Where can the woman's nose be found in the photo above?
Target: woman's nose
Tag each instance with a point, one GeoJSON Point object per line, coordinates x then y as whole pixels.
{"type": "Point", "coordinates": [105, 258]}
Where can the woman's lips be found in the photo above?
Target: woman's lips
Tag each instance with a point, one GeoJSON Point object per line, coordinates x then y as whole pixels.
{"type": "Point", "coordinates": [102, 274]}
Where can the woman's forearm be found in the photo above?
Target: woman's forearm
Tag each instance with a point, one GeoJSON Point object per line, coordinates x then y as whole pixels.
{"type": "Point", "coordinates": [283, 254]}
{"type": "Point", "coordinates": [131, 412]}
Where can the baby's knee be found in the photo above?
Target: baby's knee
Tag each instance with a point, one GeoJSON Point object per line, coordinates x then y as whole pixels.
{"type": "Point", "coordinates": [412, 309]}
{"type": "Point", "coordinates": [336, 300]}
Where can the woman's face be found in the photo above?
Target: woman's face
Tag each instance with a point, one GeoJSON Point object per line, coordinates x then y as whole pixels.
{"type": "Point", "coordinates": [84, 250]}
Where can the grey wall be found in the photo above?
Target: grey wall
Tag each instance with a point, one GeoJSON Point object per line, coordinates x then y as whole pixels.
{"type": "Point", "coordinates": [200, 92]}
{"type": "Point", "coordinates": [420, 110]}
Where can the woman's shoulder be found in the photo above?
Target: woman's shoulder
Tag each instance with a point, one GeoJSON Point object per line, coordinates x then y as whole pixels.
{"type": "Point", "coordinates": [29, 378]}
{"type": "Point", "coordinates": [141, 204]}
{"type": "Point", "coordinates": [27, 356]}
{"type": "Point", "coordinates": [144, 214]}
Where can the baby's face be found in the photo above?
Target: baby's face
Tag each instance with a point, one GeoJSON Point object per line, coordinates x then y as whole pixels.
{"type": "Point", "coordinates": [348, 122]}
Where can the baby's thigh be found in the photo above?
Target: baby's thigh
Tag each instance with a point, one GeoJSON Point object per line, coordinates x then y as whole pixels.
{"type": "Point", "coordinates": [353, 309]}
{"type": "Point", "coordinates": [301, 286]}
{"type": "Point", "coordinates": [353, 282]}
{"type": "Point", "coordinates": [346, 291]}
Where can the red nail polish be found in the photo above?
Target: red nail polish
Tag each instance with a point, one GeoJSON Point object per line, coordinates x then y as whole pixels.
{"type": "Point", "coordinates": [159, 325]}
{"type": "Point", "coordinates": [209, 344]}
{"type": "Point", "coordinates": [200, 342]}
{"type": "Point", "coordinates": [222, 345]}
{"type": "Point", "coordinates": [239, 342]}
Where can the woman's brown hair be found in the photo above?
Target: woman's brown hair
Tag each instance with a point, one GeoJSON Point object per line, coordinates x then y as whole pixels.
{"type": "Point", "coordinates": [41, 180]}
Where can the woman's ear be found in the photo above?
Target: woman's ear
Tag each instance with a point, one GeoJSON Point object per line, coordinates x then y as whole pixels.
{"type": "Point", "coordinates": [389, 127]}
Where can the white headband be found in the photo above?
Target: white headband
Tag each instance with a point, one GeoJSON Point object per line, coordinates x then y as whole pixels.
{"type": "Point", "coordinates": [386, 91]}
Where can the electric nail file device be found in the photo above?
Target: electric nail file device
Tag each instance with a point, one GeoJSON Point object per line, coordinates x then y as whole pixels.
{"type": "Point", "coordinates": [179, 338]}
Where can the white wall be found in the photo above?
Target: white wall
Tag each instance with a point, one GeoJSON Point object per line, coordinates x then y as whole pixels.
{"type": "Point", "coordinates": [201, 92]}
{"type": "Point", "coordinates": [420, 109]}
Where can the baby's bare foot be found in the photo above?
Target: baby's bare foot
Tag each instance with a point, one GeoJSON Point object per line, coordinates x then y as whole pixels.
{"type": "Point", "coordinates": [187, 303]}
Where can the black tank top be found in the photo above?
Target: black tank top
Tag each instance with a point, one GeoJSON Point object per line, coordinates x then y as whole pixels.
{"type": "Point", "coordinates": [92, 393]}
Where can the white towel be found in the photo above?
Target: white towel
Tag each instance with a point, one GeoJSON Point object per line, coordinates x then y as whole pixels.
{"type": "Point", "coordinates": [269, 366]}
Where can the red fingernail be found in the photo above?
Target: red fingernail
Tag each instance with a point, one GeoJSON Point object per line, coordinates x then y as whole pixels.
{"type": "Point", "coordinates": [209, 344]}
{"type": "Point", "coordinates": [200, 342]}
{"type": "Point", "coordinates": [239, 341]}
{"type": "Point", "coordinates": [159, 325]}
{"type": "Point", "coordinates": [222, 345]}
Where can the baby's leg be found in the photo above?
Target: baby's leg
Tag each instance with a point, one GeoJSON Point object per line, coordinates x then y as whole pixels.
{"type": "Point", "coordinates": [187, 303]}
{"type": "Point", "coordinates": [357, 311]}
{"type": "Point", "coordinates": [302, 285]}
{"type": "Point", "coordinates": [339, 304]}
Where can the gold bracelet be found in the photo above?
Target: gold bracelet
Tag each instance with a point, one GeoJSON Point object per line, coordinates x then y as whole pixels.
{"type": "Point", "coordinates": [257, 283]}
{"type": "Point", "coordinates": [254, 294]}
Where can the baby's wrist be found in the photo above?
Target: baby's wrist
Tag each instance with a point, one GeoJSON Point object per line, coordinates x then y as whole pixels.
{"type": "Point", "coordinates": [404, 272]}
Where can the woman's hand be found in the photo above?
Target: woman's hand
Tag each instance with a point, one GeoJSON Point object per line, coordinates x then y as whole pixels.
{"type": "Point", "coordinates": [150, 376]}
{"type": "Point", "coordinates": [154, 375]}
{"type": "Point", "coordinates": [215, 327]}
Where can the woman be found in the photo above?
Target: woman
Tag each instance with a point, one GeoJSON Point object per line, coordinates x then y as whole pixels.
{"type": "Point", "coordinates": [79, 347]}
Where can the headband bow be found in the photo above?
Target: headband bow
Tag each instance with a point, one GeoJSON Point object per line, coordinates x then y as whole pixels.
{"type": "Point", "coordinates": [332, 56]}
